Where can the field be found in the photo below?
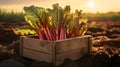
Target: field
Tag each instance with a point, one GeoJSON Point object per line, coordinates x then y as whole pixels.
{"type": "Point", "coordinates": [105, 44]}
{"type": "Point", "coordinates": [106, 37]}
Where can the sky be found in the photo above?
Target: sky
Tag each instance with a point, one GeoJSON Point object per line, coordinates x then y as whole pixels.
{"type": "Point", "coordinates": [85, 5]}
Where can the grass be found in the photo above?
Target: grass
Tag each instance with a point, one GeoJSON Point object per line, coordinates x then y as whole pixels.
{"type": "Point", "coordinates": [11, 16]}
{"type": "Point", "coordinates": [103, 16]}
{"type": "Point", "coordinates": [19, 16]}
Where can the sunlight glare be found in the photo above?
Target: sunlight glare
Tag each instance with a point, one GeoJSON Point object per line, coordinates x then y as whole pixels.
{"type": "Point", "coordinates": [91, 4]}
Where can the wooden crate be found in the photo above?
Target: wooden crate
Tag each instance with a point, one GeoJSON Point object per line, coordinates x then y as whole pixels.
{"type": "Point", "coordinates": [55, 51]}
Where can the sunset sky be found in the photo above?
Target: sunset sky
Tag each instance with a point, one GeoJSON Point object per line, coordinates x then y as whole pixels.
{"type": "Point", "coordinates": [85, 5]}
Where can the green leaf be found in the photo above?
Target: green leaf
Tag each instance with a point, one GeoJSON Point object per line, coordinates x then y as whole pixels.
{"type": "Point", "coordinates": [56, 23]}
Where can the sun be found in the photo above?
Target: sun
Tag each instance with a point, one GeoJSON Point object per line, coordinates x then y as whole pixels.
{"type": "Point", "coordinates": [91, 4]}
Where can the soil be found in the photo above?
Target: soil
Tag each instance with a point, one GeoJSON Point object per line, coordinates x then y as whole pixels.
{"type": "Point", "coordinates": [105, 47]}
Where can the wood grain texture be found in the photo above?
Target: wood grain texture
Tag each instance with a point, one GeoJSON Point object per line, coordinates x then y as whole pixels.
{"type": "Point", "coordinates": [55, 51]}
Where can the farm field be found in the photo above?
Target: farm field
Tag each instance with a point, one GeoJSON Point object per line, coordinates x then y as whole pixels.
{"type": "Point", "coordinates": [105, 47]}
{"type": "Point", "coordinates": [56, 20]}
{"type": "Point", "coordinates": [98, 18]}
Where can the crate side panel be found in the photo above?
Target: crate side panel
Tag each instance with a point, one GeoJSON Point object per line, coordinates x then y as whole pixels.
{"type": "Point", "coordinates": [73, 55]}
{"type": "Point", "coordinates": [21, 46]}
{"type": "Point", "coordinates": [37, 55]}
{"type": "Point", "coordinates": [38, 45]}
{"type": "Point", "coordinates": [68, 45]}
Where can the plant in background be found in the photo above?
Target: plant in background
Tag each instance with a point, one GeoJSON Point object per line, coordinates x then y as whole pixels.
{"type": "Point", "coordinates": [56, 23]}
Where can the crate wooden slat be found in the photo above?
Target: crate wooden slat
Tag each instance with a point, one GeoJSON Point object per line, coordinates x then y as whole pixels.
{"type": "Point", "coordinates": [55, 51]}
